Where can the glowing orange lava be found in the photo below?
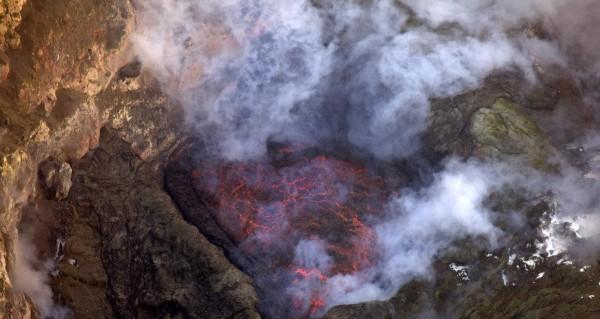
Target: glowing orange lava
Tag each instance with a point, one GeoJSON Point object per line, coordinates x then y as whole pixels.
{"type": "Point", "coordinates": [268, 208]}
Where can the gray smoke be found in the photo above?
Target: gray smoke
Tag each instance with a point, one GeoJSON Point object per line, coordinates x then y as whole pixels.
{"type": "Point", "coordinates": [359, 72]}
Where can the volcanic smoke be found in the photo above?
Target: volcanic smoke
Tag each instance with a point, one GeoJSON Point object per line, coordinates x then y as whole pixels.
{"type": "Point", "coordinates": [323, 74]}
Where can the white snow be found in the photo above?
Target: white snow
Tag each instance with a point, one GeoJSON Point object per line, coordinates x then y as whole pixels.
{"type": "Point", "coordinates": [461, 271]}
{"type": "Point", "coordinates": [540, 276]}
{"type": "Point", "coordinates": [590, 297]}
{"type": "Point", "coordinates": [529, 263]}
{"type": "Point", "coordinates": [504, 278]}
{"type": "Point", "coordinates": [557, 241]}
{"type": "Point", "coordinates": [584, 268]}
{"type": "Point", "coordinates": [73, 262]}
{"type": "Point", "coordinates": [60, 249]}
{"type": "Point", "coordinates": [564, 261]}
{"type": "Point", "coordinates": [511, 259]}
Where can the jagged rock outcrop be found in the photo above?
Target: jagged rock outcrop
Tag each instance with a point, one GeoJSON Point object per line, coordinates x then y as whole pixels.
{"type": "Point", "coordinates": [56, 177]}
{"type": "Point", "coordinates": [504, 129]}
{"type": "Point", "coordinates": [135, 254]}
{"type": "Point", "coordinates": [10, 15]}
{"type": "Point", "coordinates": [155, 265]}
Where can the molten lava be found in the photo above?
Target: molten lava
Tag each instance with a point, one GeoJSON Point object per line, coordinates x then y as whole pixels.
{"type": "Point", "coordinates": [267, 209]}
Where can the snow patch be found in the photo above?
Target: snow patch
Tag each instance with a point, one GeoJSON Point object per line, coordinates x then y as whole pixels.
{"type": "Point", "coordinates": [540, 276]}
{"type": "Point", "coordinates": [564, 261]}
{"type": "Point", "coordinates": [529, 263]}
{"type": "Point", "coordinates": [584, 268]}
{"type": "Point", "coordinates": [559, 232]}
{"type": "Point", "coordinates": [505, 280]}
{"type": "Point", "coordinates": [461, 271]}
{"type": "Point", "coordinates": [511, 259]}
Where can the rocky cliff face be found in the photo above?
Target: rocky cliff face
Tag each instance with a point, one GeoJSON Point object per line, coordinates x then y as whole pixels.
{"type": "Point", "coordinates": [67, 90]}
{"type": "Point", "coordinates": [86, 138]}
{"type": "Point", "coordinates": [55, 60]}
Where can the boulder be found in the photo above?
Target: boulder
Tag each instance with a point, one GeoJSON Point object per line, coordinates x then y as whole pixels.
{"type": "Point", "coordinates": [504, 129]}
{"type": "Point", "coordinates": [56, 177]}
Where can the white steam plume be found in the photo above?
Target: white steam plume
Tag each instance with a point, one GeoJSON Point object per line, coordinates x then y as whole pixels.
{"type": "Point", "coordinates": [247, 71]}
{"type": "Point", "coordinates": [420, 225]}
{"type": "Point", "coordinates": [238, 67]}
{"type": "Point", "coordinates": [31, 276]}
{"type": "Point", "coordinates": [358, 71]}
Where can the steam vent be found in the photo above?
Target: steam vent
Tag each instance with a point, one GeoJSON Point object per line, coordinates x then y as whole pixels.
{"type": "Point", "coordinates": [299, 159]}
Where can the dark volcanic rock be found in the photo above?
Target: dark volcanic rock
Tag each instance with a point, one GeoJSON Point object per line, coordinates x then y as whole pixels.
{"type": "Point", "coordinates": [129, 253]}
{"type": "Point", "coordinates": [383, 310]}
{"type": "Point", "coordinates": [156, 265]}
{"type": "Point", "coordinates": [178, 181]}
